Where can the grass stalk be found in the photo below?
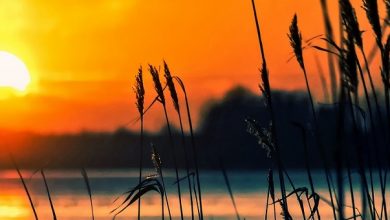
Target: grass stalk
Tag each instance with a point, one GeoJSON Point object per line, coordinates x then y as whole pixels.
{"type": "Point", "coordinates": [296, 192]}
{"type": "Point", "coordinates": [166, 196]}
{"type": "Point", "coordinates": [86, 180]}
{"type": "Point", "coordinates": [174, 160]}
{"type": "Point", "coordinates": [227, 182]}
{"type": "Point", "coordinates": [140, 161]}
{"type": "Point", "coordinates": [195, 195]}
{"type": "Point", "coordinates": [381, 180]}
{"type": "Point", "coordinates": [140, 99]}
{"type": "Point", "coordinates": [267, 204]}
{"type": "Point", "coordinates": [339, 153]}
{"type": "Point", "coordinates": [360, 163]}
{"type": "Point", "coordinates": [158, 166]}
{"type": "Point", "coordinates": [187, 163]}
{"type": "Point", "coordinates": [162, 205]}
{"type": "Point", "coordinates": [175, 100]}
{"type": "Point", "coordinates": [373, 127]}
{"type": "Point", "coordinates": [271, 190]}
{"type": "Point", "coordinates": [194, 149]}
{"type": "Point", "coordinates": [373, 90]}
{"type": "Point", "coordinates": [329, 35]}
{"type": "Point", "coordinates": [156, 79]}
{"type": "Point", "coordinates": [351, 189]}
{"type": "Point", "coordinates": [296, 43]}
{"type": "Point", "coordinates": [322, 79]}
{"type": "Point", "coordinates": [48, 195]}
{"type": "Point", "coordinates": [267, 92]}
{"type": "Point", "coordinates": [25, 188]}
{"type": "Point", "coordinates": [307, 164]}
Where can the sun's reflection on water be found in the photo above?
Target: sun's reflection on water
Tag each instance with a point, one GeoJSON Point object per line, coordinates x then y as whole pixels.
{"type": "Point", "coordinates": [13, 206]}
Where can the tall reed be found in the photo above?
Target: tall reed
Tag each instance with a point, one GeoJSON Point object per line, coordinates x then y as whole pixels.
{"type": "Point", "coordinates": [372, 13]}
{"type": "Point", "coordinates": [387, 19]}
{"type": "Point", "coordinates": [148, 184]}
{"type": "Point", "coordinates": [25, 187]}
{"type": "Point", "coordinates": [227, 182]}
{"type": "Point", "coordinates": [175, 99]}
{"type": "Point", "coordinates": [48, 195]}
{"type": "Point", "coordinates": [307, 164]}
{"type": "Point", "coordinates": [329, 35]}
{"type": "Point", "coordinates": [140, 99]}
{"type": "Point", "coordinates": [371, 8]}
{"type": "Point", "coordinates": [296, 43]}
{"type": "Point", "coordinates": [351, 27]}
{"type": "Point", "coordinates": [194, 148]}
{"type": "Point", "coordinates": [161, 98]}
{"type": "Point", "coordinates": [271, 190]}
{"type": "Point", "coordinates": [156, 159]}
{"type": "Point", "coordinates": [88, 185]}
{"type": "Point", "coordinates": [266, 89]}
{"type": "Point", "coordinates": [350, 77]}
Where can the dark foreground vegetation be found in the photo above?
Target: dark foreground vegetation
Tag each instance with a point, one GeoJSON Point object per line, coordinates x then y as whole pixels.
{"type": "Point", "coordinates": [348, 135]}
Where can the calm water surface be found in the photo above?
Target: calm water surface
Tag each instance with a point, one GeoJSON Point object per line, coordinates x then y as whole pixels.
{"type": "Point", "coordinates": [71, 200]}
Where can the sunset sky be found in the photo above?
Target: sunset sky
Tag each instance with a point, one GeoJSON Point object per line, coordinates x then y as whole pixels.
{"type": "Point", "coordinates": [83, 55]}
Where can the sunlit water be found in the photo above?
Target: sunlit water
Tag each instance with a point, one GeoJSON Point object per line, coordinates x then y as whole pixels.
{"type": "Point", "coordinates": [71, 201]}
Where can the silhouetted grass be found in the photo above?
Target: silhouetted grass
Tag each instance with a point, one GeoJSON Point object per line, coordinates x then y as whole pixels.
{"type": "Point", "coordinates": [157, 84]}
{"type": "Point", "coordinates": [148, 184]}
{"type": "Point", "coordinates": [266, 90]}
{"type": "Point", "coordinates": [329, 35]}
{"type": "Point", "coordinates": [25, 187]}
{"type": "Point", "coordinates": [227, 182]}
{"type": "Point", "coordinates": [176, 105]}
{"type": "Point", "coordinates": [194, 149]}
{"type": "Point", "coordinates": [140, 99]}
{"type": "Point", "coordinates": [346, 154]}
{"type": "Point", "coordinates": [48, 195]}
{"type": "Point", "coordinates": [307, 164]}
{"type": "Point", "coordinates": [88, 185]}
{"type": "Point", "coordinates": [158, 167]}
{"type": "Point", "coordinates": [296, 43]}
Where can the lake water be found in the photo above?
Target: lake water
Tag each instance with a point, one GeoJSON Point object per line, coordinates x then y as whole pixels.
{"type": "Point", "coordinates": [71, 200]}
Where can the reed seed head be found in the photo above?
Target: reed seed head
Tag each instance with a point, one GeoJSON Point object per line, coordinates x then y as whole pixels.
{"type": "Point", "coordinates": [371, 8]}
{"type": "Point", "coordinates": [263, 135]}
{"type": "Point", "coordinates": [350, 21]}
{"type": "Point", "coordinates": [139, 91]}
{"type": "Point", "coordinates": [387, 3]}
{"type": "Point", "coordinates": [156, 159]}
{"type": "Point", "coordinates": [386, 62]}
{"type": "Point", "coordinates": [157, 83]}
{"type": "Point", "coordinates": [171, 86]}
{"type": "Point", "coordinates": [348, 65]}
{"type": "Point", "coordinates": [296, 41]}
{"type": "Point", "coordinates": [264, 85]}
{"type": "Point", "coordinates": [283, 209]}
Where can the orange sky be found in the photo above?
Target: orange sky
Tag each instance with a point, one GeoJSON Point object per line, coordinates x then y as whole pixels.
{"type": "Point", "coordinates": [83, 55]}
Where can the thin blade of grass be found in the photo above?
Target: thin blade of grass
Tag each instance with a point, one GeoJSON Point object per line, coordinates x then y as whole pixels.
{"type": "Point", "coordinates": [48, 195]}
{"type": "Point", "coordinates": [25, 187]}
{"type": "Point", "coordinates": [227, 182]}
{"type": "Point", "coordinates": [194, 149]}
{"type": "Point", "coordinates": [88, 185]}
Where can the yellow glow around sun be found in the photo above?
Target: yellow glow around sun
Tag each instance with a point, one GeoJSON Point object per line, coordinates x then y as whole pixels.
{"type": "Point", "coordinates": [13, 72]}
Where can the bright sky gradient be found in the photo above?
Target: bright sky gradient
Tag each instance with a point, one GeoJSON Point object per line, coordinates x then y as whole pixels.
{"type": "Point", "coordinates": [83, 55]}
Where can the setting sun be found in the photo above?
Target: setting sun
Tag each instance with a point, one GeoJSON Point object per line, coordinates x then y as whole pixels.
{"type": "Point", "coordinates": [13, 72]}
